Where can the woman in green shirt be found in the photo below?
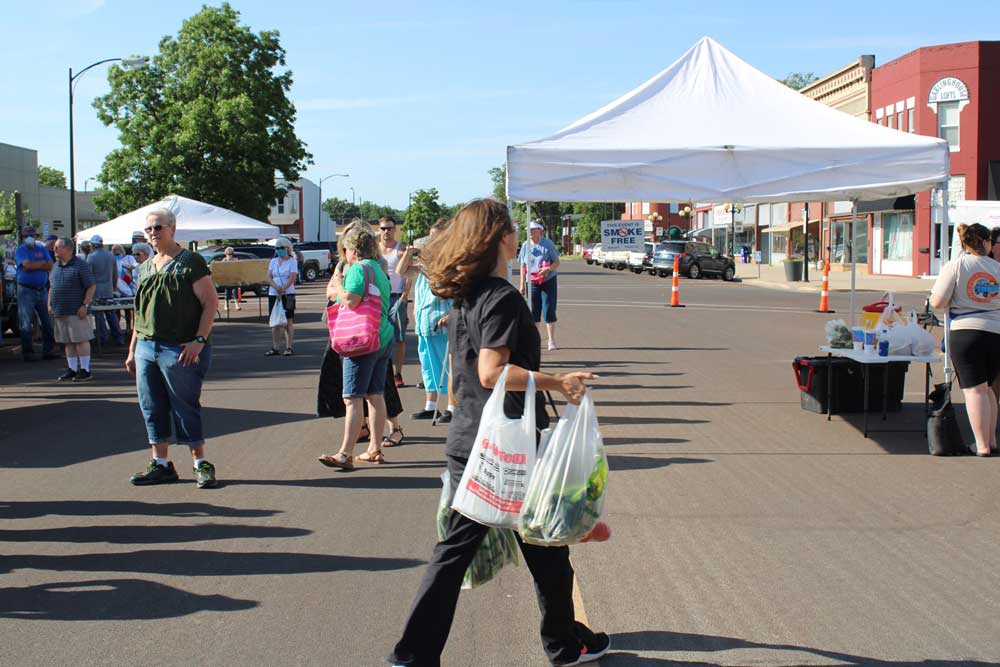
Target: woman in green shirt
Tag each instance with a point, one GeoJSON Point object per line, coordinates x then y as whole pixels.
{"type": "Point", "coordinates": [175, 304]}
{"type": "Point", "coordinates": [364, 376]}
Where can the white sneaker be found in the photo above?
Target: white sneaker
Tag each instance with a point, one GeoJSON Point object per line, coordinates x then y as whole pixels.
{"type": "Point", "coordinates": [552, 346]}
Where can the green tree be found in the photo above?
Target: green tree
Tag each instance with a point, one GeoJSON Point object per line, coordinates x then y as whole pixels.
{"type": "Point", "coordinates": [798, 80]}
{"type": "Point", "coordinates": [372, 211]}
{"type": "Point", "coordinates": [498, 175]}
{"type": "Point", "coordinates": [341, 210]}
{"type": "Point", "coordinates": [209, 118]}
{"type": "Point", "coordinates": [8, 215]}
{"type": "Point", "coordinates": [51, 177]}
{"type": "Point", "coordinates": [588, 227]}
{"type": "Point", "coordinates": [423, 211]}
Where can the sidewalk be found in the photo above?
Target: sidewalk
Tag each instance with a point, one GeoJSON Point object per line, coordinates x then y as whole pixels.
{"type": "Point", "coordinates": [773, 277]}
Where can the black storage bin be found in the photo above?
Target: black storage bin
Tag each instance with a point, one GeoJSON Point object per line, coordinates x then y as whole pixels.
{"type": "Point", "coordinates": [848, 384]}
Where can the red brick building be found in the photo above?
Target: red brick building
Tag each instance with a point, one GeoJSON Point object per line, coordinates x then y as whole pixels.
{"type": "Point", "coordinates": [953, 92]}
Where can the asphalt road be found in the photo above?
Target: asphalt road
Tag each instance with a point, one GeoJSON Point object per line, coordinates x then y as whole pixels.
{"type": "Point", "coordinates": [746, 530]}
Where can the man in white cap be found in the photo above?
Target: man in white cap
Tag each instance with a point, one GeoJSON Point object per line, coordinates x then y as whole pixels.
{"type": "Point", "coordinates": [539, 260]}
{"type": "Point", "coordinates": [105, 270]}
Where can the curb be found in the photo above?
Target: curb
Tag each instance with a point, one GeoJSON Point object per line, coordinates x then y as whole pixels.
{"type": "Point", "coordinates": [767, 284]}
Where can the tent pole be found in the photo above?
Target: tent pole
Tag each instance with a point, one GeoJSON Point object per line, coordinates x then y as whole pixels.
{"type": "Point", "coordinates": [941, 263]}
{"type": "Point", "coordinates": [854, 257]}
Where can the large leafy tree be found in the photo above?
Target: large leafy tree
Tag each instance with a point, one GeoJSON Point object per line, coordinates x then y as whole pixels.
{"type": "Point", "coordinates": [588, 227]}
{"type": "Point", "coordinates": [372, 211]}
{"type": "Point", "coordinates": [341, 210]}
{"type": "Point", "coordinates": [8, 213]}
{"type": "Point", "coordinates": [51, 177]}
{"type": "Point", "coordinates": [798, 80]}
{"type": "Point", "coordinates": [423, 211]}
{"type": "Point", "coordinates": [209, 118]}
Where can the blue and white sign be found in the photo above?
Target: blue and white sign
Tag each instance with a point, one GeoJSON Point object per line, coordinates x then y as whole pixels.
{"type": "Point", "coordinates": [626, 235]}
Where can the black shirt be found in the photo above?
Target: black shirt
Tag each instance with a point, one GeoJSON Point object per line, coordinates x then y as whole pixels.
{"type": "Point", "coordinates": [493, 315]}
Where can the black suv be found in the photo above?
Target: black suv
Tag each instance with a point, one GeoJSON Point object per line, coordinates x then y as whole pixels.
{"type": "Point", "coordinates": [697, 259]}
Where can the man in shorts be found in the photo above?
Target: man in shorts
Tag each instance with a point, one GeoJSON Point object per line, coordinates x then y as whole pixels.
{"type": "Point", "coordinates": [73, 288]}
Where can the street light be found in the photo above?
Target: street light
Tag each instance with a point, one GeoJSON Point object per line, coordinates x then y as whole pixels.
{"type": "Point", "coordinates": [128, 62]}
{"type": "Point", "coordinates": [319, 211]}
{"type": "Point", "coordinates": [654, 218]}
{"type": "Point", "coordinates": [732, 210]}
{"type": "Point", "coordinates": [689, 213]}
{"type": "Point", "coordinates": [88, 180]}
{"type": "Point", "coordinates": [352, 194]}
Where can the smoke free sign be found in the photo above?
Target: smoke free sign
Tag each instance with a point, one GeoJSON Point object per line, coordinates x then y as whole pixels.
{"type": "Point", "coordinates": [617, 235]}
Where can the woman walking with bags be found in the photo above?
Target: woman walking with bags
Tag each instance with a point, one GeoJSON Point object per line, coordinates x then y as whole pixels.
{"type": "Point", "coordinates": [281, 273]}
{"type": "Point", "coordinates": [364, 375]}
{"type": "Point", "coordinates": [968, 287]}
{"type": "Point", "coordinates": [491, 327]}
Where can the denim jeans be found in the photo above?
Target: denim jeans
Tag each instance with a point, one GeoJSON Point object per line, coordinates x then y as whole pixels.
{"type": "Point", "coordinates": [170, 394]}
{"type": "Point", "coordinates": [543, 300]}
{"type": "Point", "coordinates": [31, 302]}
{"type": "Point", "coordinates": [109, 319]}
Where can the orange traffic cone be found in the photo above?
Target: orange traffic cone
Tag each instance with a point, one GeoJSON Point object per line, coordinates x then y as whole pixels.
{"type": "Point", "coordinates": [239, 295]}
{"type": "Point", "coordinates": [675, 287]}
{"type": "Point", "coordinates": [824, 295]}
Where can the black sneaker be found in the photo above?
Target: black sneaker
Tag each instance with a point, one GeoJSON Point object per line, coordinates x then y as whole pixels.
{"type": "Point", "coordinates": [423, 414]}
{"type": "Point", "coordinates": [68, 376]}
{"type": "Point", "coordinates": [445, 418]}
{"type": "Point", "coordinates": [599, 644]}
{"type": "Point", "coordinates": [155, 474]}
{"type": "Point", "coordinates": [83, 376]}
{"type": "Point", "coordinates": [205, 475]}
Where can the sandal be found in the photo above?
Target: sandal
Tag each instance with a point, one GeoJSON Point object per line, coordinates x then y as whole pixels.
{"type": "Point", "coordinates": [271, 353]}
{"type": "Point", "coordinates": [338, 460]}
{"type": "Point", "coordinates": [365, 434]}
{"type": "Point", "coordinates": [288, 352]}
{"type": "Point", "coordinates": [372, 457]}
{"type": "Point", "coordinates": [387, 441]}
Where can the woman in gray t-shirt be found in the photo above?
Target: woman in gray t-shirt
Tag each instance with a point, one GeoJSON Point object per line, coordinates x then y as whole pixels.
{"type": "Point", "coordinates": [969, 288]}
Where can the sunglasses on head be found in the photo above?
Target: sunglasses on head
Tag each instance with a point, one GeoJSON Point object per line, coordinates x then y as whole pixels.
{"type": "Point", "coordinates": [155, 228]}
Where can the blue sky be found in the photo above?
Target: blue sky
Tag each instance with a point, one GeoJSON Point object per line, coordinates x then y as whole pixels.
{"type": "Point", "coordinates": [405, 95]}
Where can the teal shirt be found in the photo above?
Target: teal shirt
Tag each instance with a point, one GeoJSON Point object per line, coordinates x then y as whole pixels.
{"type": "Point", "coordinates": [354, 282]}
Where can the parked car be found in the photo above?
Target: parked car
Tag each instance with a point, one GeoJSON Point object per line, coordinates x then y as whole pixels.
{"type": "Point", "coordinates": [587, 252]}
{"type": "Point", "coordinates": [597, 255]}
{"type": "Point", "coordinates": [641, 261]}
{"type": "Point", "coordinates": [320, 258]}
{"type": "Point", "coordinates": [616, 259]}
{"type": "Point", "coordinates": [217, 255]}
{"type": "Point", "coordinates": [696, 260]}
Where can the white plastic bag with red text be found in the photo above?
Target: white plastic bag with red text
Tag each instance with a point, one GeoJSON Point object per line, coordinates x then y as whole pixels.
{"type": "Point", "coordinates": [502, 460]}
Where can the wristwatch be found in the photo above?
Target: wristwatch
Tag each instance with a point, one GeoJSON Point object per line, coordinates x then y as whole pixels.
{"type": "Point", "coordinates": [200, 339]}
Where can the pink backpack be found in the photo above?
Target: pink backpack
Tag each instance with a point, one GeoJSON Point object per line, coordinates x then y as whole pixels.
{"type": "Point", "coordinates": [354, 332]}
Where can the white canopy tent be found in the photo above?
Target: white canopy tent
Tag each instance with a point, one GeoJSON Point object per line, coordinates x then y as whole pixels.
{"type": "Point", "coordinates": [712, 128]}
{"type": "Point", "coordinates": [196, 221]}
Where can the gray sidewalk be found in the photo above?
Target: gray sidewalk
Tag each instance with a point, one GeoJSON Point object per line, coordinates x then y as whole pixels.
{"type": "Point", "coordinates": [763, 275]}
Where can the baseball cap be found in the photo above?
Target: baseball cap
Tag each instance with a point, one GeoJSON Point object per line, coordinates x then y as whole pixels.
{"type": "Point", "coordinates": [536, 225]}
{"type": "Point", "coordinates": [96, 240]}
{"type": "Point", "coordinates": [28, 229]}
{"type": "Point", "coordinates": [51, 237]}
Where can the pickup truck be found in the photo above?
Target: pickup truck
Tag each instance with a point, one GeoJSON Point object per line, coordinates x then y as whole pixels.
{"type": "Point", "coordinates": [616, 259]}
{"type": "Point", "coordinates": [319, 258]}
{"type": "Point", "coordinates": [641, 261]}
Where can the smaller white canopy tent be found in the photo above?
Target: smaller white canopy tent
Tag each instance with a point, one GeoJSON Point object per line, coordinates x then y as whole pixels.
{"type": "Point", "coordinates": [196, 221]}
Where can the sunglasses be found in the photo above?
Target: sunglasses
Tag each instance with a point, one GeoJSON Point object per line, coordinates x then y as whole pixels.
{"type": "Point", "coordinates": [154, 228]}
{"type": "Point", "coordinates": [387, 229]}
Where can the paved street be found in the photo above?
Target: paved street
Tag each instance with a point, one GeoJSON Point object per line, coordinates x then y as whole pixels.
{"type": "Point", "coordinates": [746, 531]}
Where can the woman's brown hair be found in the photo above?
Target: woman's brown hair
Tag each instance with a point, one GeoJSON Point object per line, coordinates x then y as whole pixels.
{"type": "Point", "coordinates": [995, 235]}
{"type": "Point", "coordinates": [361, 238]}
{"type": "Point", "coordinates": [973, 238]}
{"type": "Point", "coordinates": [467, 250]}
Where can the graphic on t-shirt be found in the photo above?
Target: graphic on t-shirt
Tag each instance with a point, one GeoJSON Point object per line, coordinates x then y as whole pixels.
{"type": "Point", "coordinates": [982, 287]}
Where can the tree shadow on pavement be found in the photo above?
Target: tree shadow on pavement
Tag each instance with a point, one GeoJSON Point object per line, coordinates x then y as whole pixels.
{"type": "Point", "coordinates": [603, 385]}
{"type": "Point", "coordinates": [663, 641]}
{"type": "Point", "coordinates": [194, 563]}
{"type": "Point", "coordinates": [614, 374]}
{"type": "Point", "coordinates": [96, 429]}
{"type": "Point", "coordinates": [33, 509]}
{"type": "Point", "coordinates": [643, 440]}
{"type": "Point", "coordinates": [347, 480]}
{"type": "Point", "coordinates": [109, 600]}
{"type": "Point", "coordinates": [630, 348]}
{"type": "Point", "coordinates": [149, 534]}
{"type": "Point", "coordinates": [638, 404]}
{"type": "Point", "coordinates": [618, 463]}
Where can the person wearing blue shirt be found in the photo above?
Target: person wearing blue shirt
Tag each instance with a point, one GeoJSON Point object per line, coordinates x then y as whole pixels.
{"type": "Point", "coordinates": [33, 265]}
{"type": "Point", "coordinates": [539, 260]}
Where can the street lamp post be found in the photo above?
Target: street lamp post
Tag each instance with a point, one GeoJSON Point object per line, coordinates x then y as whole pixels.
{"type": "Point", "coordinates": [654, 218]}
{"type": "Point", "coordinates": [130, 62]}
{"type": "Point", "coordinates": [319, 211]}
{"type": "Point", "coordinates": [733, 209]}
{"type": "Point", "coordinates": [86, 181]}
{"type": "Point", "coordinates": [689, 213]}
{"type": "Point", "coordinates": [352, 194]}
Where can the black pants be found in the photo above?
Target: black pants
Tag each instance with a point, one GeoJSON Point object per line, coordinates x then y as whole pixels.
{"type": "Point", "coordinates": [427, 628]}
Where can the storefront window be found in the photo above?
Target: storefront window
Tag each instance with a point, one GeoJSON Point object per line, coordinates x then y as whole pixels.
{"type": "Point", "coordinates": [860, 244]}
{"type": "Point", "coordinates": [838, 242]}
{"type": "Point", "coordinates": [897, 237]}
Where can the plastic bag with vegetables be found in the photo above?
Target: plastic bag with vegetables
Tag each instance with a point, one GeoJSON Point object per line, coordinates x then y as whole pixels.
{"type": "Point", "coordinates": [565, 498]}
{"type": "Point", "coordinates": [499, 547]}
{"type": "Point", "coordinates": [838, 334]}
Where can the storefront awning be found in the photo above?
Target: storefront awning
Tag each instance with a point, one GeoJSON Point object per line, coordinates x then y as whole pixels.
{"type": "Point", "coordinates": [907, 203]}
{"type": "Point", "coordinates": [778, 229]}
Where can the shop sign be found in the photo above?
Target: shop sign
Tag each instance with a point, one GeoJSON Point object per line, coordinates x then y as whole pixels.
{"type": "Point", "coordinates": [617, 235]}
{"type": "Point", "coordinates": [948, 89]}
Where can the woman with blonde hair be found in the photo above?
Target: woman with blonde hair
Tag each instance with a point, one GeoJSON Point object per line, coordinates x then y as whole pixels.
{"type": "Point", "coordinates": [363, 376]}
{"type": "Point", "coordinates": [969, 288]}
{"type": "Point", "coordinates": [490, 328]}
{"type": "Point", "coordinates": [229, 255]}
{"type": "Point", "coordinates": [281, 273]}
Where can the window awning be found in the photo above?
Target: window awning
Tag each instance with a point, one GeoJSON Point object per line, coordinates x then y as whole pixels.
{"type": "Point", "coordinates": [777, 229]}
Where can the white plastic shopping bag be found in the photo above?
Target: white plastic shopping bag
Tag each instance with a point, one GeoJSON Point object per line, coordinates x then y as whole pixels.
{"type": "Point", "coordinates": [278, 317]}
{"type": "Point", "coordinates": [496, 477]}
{"type": "Point", "coordinates": [566, 495]}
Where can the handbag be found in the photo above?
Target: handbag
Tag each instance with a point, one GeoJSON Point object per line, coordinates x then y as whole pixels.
{"type": "Point", "coordinates": [943, 435]}
{"type": "Point", "coordinates": [354, 332]}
